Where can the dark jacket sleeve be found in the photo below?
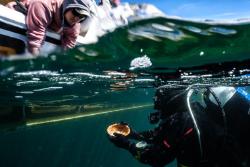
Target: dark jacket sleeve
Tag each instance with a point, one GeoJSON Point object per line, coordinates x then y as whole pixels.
{"type": "Point", "coordinates": [154, 155]}
{"type": "Point", "coordinates": [164, 142]}
{"type": "Point", "coordinates": [147, 136]}
{"type": "Point", "coordinates": [158, 152]}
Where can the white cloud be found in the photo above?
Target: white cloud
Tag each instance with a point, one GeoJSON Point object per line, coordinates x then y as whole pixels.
{"type": "Point", "coordinates": [187, 9]}
{"type": "Point", "coordinates": [187, 6]}
{"type": "Point", "coordinates": [232, 15]}
{"type": "Point", "coordinates": [225, 14]}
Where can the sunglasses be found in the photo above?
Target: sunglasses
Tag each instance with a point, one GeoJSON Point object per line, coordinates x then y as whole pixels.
{"type": "Point", "coordinates": [82, 17]}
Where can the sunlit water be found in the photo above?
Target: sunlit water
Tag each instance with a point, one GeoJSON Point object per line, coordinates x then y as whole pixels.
{"type": "Point", "coordinates": [63, 102]}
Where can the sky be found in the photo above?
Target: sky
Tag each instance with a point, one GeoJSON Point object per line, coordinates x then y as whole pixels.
{"type": "Point", "coordinates": [202, 9]}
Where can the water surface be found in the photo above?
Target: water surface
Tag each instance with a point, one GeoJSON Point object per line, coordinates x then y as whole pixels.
{"type": "Point", "coordinates": [55, 109]}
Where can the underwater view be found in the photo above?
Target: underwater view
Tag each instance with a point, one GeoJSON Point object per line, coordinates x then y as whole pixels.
{"type": "Point", "coordinates": [55, 108]}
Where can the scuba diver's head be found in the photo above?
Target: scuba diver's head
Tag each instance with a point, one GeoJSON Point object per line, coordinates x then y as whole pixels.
{"type": "Point", "coordinates": [168, 101]}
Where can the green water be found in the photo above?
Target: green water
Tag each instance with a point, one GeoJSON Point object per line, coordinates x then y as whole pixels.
{"type": "Point", "coordinates": [81, 142]}
{"type": "Point", "coordinates": [95, 78]}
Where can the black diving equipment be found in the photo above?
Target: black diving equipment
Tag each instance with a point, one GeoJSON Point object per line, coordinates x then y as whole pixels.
{"type": "Point", "coordinates": [154, 117]}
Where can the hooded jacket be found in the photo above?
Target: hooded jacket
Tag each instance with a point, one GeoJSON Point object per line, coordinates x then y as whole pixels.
{"type": "Point", "coordinates": [49, 14]}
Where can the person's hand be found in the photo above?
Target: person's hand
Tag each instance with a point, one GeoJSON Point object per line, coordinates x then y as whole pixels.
{"type": "Point", "coordinates": [34, 51]}
{"type": "Point", "coordinates": [133, 134]}
{"type": "Point", "coordinates": [120, 140]}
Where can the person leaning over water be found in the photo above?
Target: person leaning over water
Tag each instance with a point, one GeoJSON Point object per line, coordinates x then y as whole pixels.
{"type": "Point", "coordinates": [221, 138]}
{"type": "Point", "coordinates": [61, 16]}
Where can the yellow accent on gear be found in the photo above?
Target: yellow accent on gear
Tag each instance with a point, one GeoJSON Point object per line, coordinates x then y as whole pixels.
{"type": "Point", "coordinates": [181, 165]}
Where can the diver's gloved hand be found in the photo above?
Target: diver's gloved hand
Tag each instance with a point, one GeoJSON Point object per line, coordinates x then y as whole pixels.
{"type": "Point", "coordinates": [133, 134]}
{"type": "Point", "coordinates": [120, 141]}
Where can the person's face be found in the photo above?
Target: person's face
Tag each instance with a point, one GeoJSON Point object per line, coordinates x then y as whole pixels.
{"type": "Point", "coordinates": [72, 18]}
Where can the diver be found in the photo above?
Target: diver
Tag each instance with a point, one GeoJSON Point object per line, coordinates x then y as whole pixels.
{"type": "Point", "coordinates": [210, 132]}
